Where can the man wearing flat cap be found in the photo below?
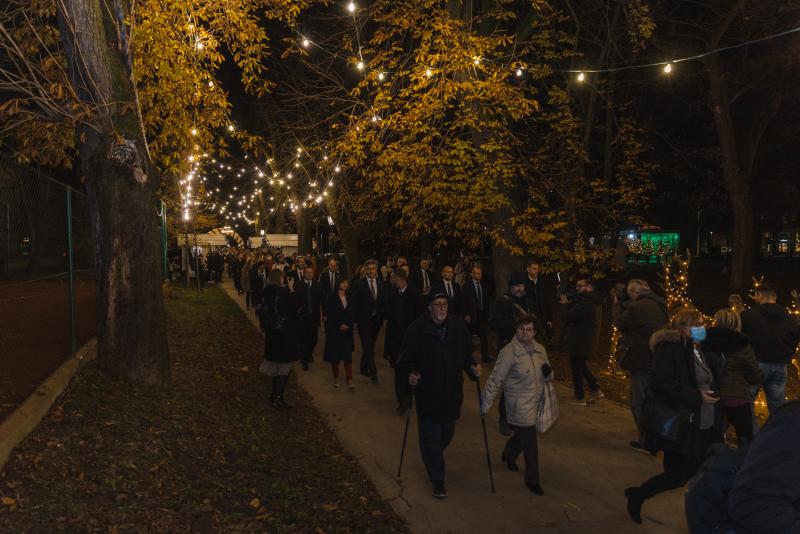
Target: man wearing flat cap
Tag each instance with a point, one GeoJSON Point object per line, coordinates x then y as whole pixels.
{"type": "Point", "coordinates": [437, 349]}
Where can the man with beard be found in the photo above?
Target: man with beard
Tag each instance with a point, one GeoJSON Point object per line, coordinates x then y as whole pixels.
{"type": "Point", "coordinates": [436, 351]}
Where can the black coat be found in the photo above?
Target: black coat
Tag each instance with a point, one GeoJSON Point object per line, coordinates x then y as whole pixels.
{"type": "Point", "coordinates": [325, 287]}
{"type": "Point", "coordinates": [673, 379]}
{"type": "Point", "coordinates": [542, 295]}
{"type": "Point", "coordinates": [401, 311]}
{"type": "Point", "coordinates": [772, 331]}
{"type": "Point", "coordinates": [256, 283]}
{"type": "Point", "coordinates": [505, 311]}
{"type": "Point", "coordinates": [281, 345]}
{"type": "Point", "coordinates": [310, 307]}
{"type": "Point", "coordinates": [469, 302]}
{"type": "Point", "coordinates": [365, 305]}
{"type": "Point", "coordinates": [416, 279]}
{"type": "Point", "coordinates": [740, 370]}
{"type": "Point", "coordinates": [637, 321]}
{"type": "Point", "coordinates": [338, 344]}
{"type": "Point", "coordinates": [440, 363]}
{"type": "Point", "coordinates": [583, 322]}
{"type": "Point", "coordinates": [766, 493]}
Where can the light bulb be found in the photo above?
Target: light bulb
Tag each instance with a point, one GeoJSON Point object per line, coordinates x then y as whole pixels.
{"type": "Point", "coordinates": [230, 127]}
{"type": "Point", "coordinates": [306, 42]}
{"type": "Point", "coordinates": [199, 45]}
{"type": "Point", "coordinates": [337, 169]}
{"type": "Point", "coordinates": [519, 72]}
{"type": "Point", "coordinates": [210, 83]}
{"type": "Point", "coordinates": [668, 68]}
{"type": "Point", "coordinates": [381, 76]}
{"type": "Point", "coordinates": [351, 7]}
{"type": "Point", "coordinates": [360, 65]}
{"type": "Point", "coordinates": [428, 73]}
{"type": "Point", "coordinates": [581, 76]}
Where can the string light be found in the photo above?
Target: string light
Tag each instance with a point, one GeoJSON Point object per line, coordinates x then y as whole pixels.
{"type": "Point", "coordinates": [305, 43]}
{"type": "Point", "coordinates": [381, 76]}
{"type": "Point", "coordinates": [230, 128]}
{"type": "Point", "coordinates": [519, 73]}
{"type": "Point", "coordinates": [360, 65]}
{"type": "Point", "coordinates": [428, 73]}
{"type": "Point", "coordinates": [581, 76]}
{"type": "Point", "coordinates": [668, 68]}
{"type": "Point", "coordinates": [351, 7]}
{"type": "Point", "coordinates": [199, 45]}
{"type": "Point", "coordinates": [194, 131]}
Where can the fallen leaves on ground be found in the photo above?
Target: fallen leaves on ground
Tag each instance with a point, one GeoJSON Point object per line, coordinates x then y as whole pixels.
{"type": "Point", "coordinates": [206, 455]}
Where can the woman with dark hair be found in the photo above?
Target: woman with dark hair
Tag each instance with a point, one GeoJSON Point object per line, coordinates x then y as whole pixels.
{"type": "Point", "coordinates": [521, 370]}
{"type": "Point", "coordinates": [279, 316]}
{"type": "Point", "coordinates": [339, 321]}
{"type": "Point", "coordinates": [685, 380]}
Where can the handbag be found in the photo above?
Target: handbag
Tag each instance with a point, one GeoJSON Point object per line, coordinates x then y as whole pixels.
{"type": "Point", "coordinates": [548, 408]}
{"type": "Point", "coordinates": [663, 419]}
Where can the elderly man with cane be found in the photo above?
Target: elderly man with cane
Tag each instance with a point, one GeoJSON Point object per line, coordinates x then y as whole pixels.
{"type": "Point", "coordinates": [437, 349]}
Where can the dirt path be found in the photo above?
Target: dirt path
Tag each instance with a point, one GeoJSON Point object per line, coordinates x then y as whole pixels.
{"type": "Point", "coordinates": [584, 460]}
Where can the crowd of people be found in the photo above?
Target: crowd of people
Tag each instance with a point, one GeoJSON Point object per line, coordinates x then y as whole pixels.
{"type": "Point", "coordinates": [688, 381]}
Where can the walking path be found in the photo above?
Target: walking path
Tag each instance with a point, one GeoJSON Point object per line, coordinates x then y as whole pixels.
{"type": "Point", "coordinates": [585, 462]}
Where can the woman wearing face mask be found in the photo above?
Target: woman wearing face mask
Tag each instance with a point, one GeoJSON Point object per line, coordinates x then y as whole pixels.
{"type": "Point", "coordinates": [683, 377]}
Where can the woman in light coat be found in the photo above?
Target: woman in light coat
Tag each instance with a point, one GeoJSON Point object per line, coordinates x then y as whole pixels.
{"type": "Point", "coordinates": [521, 369]}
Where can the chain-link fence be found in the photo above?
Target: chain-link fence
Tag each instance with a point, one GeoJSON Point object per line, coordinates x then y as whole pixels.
{"type": "Point", "coordinates": [47, 277]}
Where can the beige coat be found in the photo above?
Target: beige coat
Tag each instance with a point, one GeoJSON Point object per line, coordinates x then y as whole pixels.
{"type": "Point", "coordinates": [520, 374]}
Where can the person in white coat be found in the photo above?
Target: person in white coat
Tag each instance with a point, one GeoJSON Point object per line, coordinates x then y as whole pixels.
{"type": "Point", "coordinates": [521, 369]}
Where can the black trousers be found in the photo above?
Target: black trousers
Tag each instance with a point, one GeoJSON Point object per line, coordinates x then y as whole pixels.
{"type": "Point", "coordinates": [434, 437]}
{"type": "Point", "coordinates": [526, 442]}
{"type": "Point", "coordinates": [741, 417]}
{"type": "Point", "coordinates": [309, 334]}
{"type": "Point", "coordinates": [480, 328]}
{"type": "Point", "coordinates": [368, 334]}
{"type": "Point", "coordinates": [678, 469]}
{"type": "Point", "coordinates": [580, 371]}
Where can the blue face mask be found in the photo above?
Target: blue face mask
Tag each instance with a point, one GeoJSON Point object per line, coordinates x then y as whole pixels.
{"type": "Point", "coordinates": [698, 334]}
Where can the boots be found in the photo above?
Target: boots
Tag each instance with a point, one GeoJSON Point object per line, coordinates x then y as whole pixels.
{"type": "Point", "coordinates": [278, 387]}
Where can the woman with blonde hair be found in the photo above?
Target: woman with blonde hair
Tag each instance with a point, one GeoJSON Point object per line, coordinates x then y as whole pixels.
{"type": "Point", "coordinates": [683, 381]}
{"type": "Point", "coordinates": [739, 372]}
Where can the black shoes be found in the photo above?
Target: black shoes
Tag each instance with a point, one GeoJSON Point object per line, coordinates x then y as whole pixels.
{"type": "Point", "coordinates": [438, 490]}
{"type": "Point", "coordinates": [635, 502]}
{"type": "Point", "coordinates": [512, 466]}
{"type": "Point", "coordinates": [535, 488]}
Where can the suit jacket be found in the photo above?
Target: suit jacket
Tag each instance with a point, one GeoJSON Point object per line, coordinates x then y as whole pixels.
{"type": "Point", "coordinates": [417, 281]}
{"type": "Point", "coordinates": [365, 305]}
{"type": "Point", "coordinates": [325, 287]}
{"type": "Point", "coordinates": [469, 301]}
{"type": "Point", "coordinates": [310, 301]}
{"type": "Point", "coordinates": [401, 310]}
{"type": "Point", "coordinates": [543, 296]}
{"type": "Point", "coordinates": [256, 283]}
{"type": "Point", "coordinates": [455, 303]}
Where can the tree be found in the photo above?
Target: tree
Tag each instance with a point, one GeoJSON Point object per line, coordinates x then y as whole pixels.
{"type": "Point", "coordinates": [745, 89]}
{"type": "Point", "coordinates": [140, 92]}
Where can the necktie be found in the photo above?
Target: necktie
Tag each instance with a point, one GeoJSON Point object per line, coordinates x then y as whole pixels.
{"type": "Point", "coordinates": [449, 291]}
{"type": "Point", "coordinates": [308, 283]}
{"type": "Point", "coordinates": [332, 280]}
{"type": "Point", "coordinates": [480, 295]}
{"type": "Point", "coordinates": [372, 289]}
{"type": "Point", "coordinates": [425, 282]}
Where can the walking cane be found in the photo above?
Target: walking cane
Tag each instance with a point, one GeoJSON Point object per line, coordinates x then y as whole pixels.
{"type": "Point", "coordinates": [485, 439]}
{"type": "Point", "coordinates": [405, 434]}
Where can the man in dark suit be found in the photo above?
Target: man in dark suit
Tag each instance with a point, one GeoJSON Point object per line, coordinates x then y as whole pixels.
{"type": "Point", "coordinates": [368, 299]}
{"type": "Point", "coordinates": [542, 293]}
{"type": "Point", "coordinates": [425, 278]}
{"type": "Point", "coordinates": [329, 281]}
{"type": "Point", "coordinates": [403, 306]}
{"type": "Point", "coordinates": [296, 271]}
{"type": "Point", "coordinates": [476, 308]}
{"type": "Point", "coordinates": [451, 289]}
{"type": "Point", "coordinates": [258, 281]}
{"type": "Point", "coordinates": [308, 294]}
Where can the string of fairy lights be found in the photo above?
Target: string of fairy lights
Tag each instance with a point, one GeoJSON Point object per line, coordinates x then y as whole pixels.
{"type": "Point", "coordinates": [319, 172]}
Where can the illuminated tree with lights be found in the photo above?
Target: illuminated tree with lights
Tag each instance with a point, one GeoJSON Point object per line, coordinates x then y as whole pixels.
{"type": "Point", "coordinates": [135, 95]}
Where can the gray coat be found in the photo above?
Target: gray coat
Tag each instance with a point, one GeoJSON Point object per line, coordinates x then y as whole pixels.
{"type": "Point", "coordinates": [519, 372]}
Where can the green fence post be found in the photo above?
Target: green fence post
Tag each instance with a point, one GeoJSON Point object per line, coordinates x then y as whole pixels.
{"type": "Point", "coordinates": [71, 274]}
{"type": "Point", "coordinates": [164, 239]}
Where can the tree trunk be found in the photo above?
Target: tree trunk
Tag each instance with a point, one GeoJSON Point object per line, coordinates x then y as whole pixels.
{"type": "Point", "coordinates": [121, 183]}
{"type": "Point", "coordinates": [305, 231]}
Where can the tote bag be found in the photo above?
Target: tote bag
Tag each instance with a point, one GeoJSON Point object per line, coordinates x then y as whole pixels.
{"type": "Point", "coordinates": [548, 408]}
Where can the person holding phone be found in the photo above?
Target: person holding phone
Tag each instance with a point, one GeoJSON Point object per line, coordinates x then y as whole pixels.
{"type": "Point", "coordinates": [521, 370]}
{"type": "Point", "coordinates": [686, 378]}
